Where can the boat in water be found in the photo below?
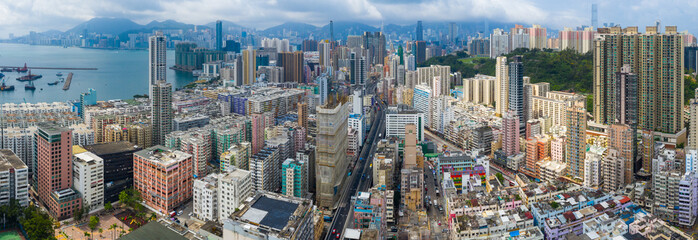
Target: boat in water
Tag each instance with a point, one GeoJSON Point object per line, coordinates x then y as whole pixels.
{"type": "Point", "coordinates": [53, 83]}
{"type": "Point", "coordinates": [30, 86]}
{"type": "Point", "coordinates": [59, 74]}
{"type": "Point", "coordinates": [22, 69]}
{"type": "Point", "coordinates": [2, 75]}
{"type": "Point", "coordinates": [4, 87]}
{"type": "Point", "coordinates": [6, 70]}
{"type": "Point", "coordinates": [29, 77]}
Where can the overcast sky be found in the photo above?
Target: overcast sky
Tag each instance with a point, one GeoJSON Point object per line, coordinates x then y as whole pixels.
{"type": "Point", "coordinates": [21, 16]}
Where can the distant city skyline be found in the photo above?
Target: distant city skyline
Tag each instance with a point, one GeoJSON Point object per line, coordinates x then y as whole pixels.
{"type": "Point", "coordinates": [20, 17]}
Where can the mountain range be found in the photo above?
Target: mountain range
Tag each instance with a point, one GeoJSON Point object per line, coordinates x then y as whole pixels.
{"type": "Point", "coordinates": [123, 26]}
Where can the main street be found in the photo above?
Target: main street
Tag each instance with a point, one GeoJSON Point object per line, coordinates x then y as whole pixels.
{"type": "Point", "coordinates": [356, 182]}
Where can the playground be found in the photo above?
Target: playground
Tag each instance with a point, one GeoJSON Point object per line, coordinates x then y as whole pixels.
{"type": "Point", "coordinates": [109, 228]}
{"type": "Point", "coordinates": [11, 235]}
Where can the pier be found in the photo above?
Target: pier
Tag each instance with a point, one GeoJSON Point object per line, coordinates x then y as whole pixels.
{"type": "Point", "coordinates": [49, 68]}
{"type": "Point", "coordinates": [66, 86]}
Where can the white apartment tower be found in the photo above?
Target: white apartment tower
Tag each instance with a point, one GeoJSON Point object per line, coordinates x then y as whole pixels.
{"type": "Point", "coordinates": [157, 60]}
{"type": "Point", "coordinates": [88, 178]}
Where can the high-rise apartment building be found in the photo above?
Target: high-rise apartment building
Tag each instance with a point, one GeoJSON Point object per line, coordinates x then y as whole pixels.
{"type": "Point", "coordinates": [398, 117]}
{"type": "Point", "coordinates": [233, 188]}
{"type": "Point", "coordinates": [613, 171]}
{"type": "Point", "coordinates": [622, 140]}
{"type": "Point", "coordinates": [510, 139]}
{"type": "Point", "coordinates": [15, 177]}
{"type": "Point", "coordinates": [693, 122]}
{"type": "Point", "coordinates": [265, 168]}
{"type": "Point", "coordinates": [501, 88]}
{"type": "Point", "coordinates": [157, 168]}
{"type": "Point", "coordinates": [292, 62]}
{"type": "Point", "coordinates": [660, 83]}
{"type": "Point", "coordinates": [516, 89]}
{"type": "Point", "coordinates": [157, 60]}
{"type": "Point", "coordinates": [426, 75]}
{"type": "Point", "coordinates": [54, 178]}
{"type": "Point", "coordinates": [330, 152]}
{"type": "Point", "coordinates": [237, 156]}
{"type": "Point", "coordinates": [249, 66]}
{"type": "Point", "coordinates": [294, 178]}
{"type": "Point", "coordinates": [581, 41]}
{"type": "Point", "coordinates": [593, 173]}
{"type": "Point", "coordinates": [161, 109]}
{"type": "Point", "coordinates": [539, 37]}
{"type": "Point", "coordinates": [205, 198]}
{"type": "Point", "coordinates": [576, 139]}
{"type": "Point", "coordinates": [499, 43]}
{"type": "Point", "coordinates": [626, 106]}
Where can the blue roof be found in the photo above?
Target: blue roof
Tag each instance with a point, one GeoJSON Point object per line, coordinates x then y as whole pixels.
{"type": "Point", "coordinates": [514, 233]}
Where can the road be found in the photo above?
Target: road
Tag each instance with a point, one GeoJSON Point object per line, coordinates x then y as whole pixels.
{"type": "Point", "coordinates": [356, 182]}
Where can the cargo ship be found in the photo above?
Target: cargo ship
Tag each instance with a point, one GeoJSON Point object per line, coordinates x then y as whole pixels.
{"type": "Point", "coordinates": [29, 77]}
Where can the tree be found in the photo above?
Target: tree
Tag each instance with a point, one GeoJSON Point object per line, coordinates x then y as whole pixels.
{"type": "Point", "coordinates": [153, 217]}
{"type": "Point", "coordinates": [87, 235]}
{"type": "Point", "coordinates": [124, 198]}
{"type": "Point", "coordinates": [37, 224]}
{"type": "Point", "coordinates": [108, 207]}
{"type": "Point", "coordinates": [94, 222]}
{"type": "Point", "coordinates": [500, 177]}
{"type": "Point", "coordinates": [79, 214]}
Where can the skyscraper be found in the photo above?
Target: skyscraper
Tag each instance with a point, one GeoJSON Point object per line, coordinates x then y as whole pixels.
{"type": "Point", "coordinates": [516, 89]}
{"type": "Point", "coordinates": [657, 61]}
{"type": "Point", "coordinates": [375, 44]}
{"type": "Point", "coordinates": [249, 64]}
{"type": "Point", "coordinates": [54, 178]}
{"type": "Point", "coordinates": [419, 33]}
{"type": "Point", "coordinates": [501, 84]}
{"type": "Point", "coordinates": [452, 32]}
{"type": "Point", "coordinates": [594, 15]}
{"type": "Point", "coordinates": [303, 115]}
{"type": "Point", "coordinates": [161, 110]}
{"type": "Point", "coordinates": [331, 164]}
{"type": "Point", "coordinates": [576, 139]}
{"type": "Point", "coordinates": [219, 35]}
{"type": "Point", "coordinates": [420, 51]}
{"type": "Point", "coordinates": [157, 60]}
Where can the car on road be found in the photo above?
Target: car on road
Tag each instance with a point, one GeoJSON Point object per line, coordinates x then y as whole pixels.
{"type": "Point", "coordinates": [337, 235]}
{"type": "Point", "coordinates": [334, 231]}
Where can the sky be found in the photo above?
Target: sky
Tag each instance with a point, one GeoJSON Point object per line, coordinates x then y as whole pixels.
{"type": "Point", "coordinates": [21, 16]}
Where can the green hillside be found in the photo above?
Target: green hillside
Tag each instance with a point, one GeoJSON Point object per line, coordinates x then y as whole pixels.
{"type": "Point", "coordinates": [565, 70]}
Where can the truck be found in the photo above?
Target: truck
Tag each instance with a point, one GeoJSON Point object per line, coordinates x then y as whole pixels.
{"type": "Point", "coordinates": [327, 219]}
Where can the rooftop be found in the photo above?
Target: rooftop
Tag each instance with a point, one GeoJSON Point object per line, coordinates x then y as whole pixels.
{"type": "Point", "coordinates": [111, 148]}
{"type": "Point", "coordinates": [281, 212]}
{"type": "Point", "coordinates": [163, 155]}
{"type": "Point", "coordinates": [8, 160]}
{"type": "Point", "coordinates": [153, 231]}
{"type": "Point", "coordinates": [50, 128]}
